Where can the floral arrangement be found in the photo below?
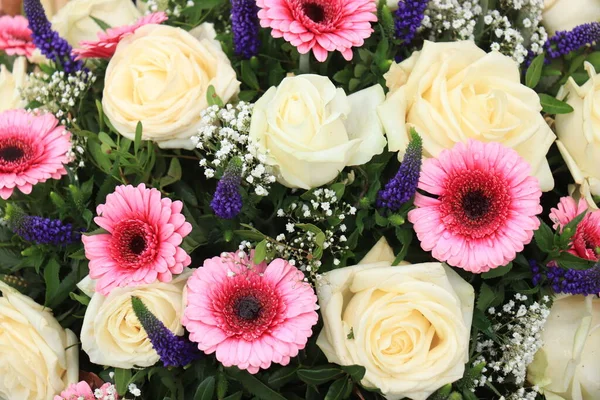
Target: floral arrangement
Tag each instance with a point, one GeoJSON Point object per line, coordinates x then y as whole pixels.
{"type": "Point", "coordinates": [300, 199]}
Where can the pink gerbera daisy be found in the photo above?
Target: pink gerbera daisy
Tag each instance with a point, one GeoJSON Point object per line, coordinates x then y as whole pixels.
{"type": "Point", "coordinates": [107, 42]}
{"type": "Point", "coordinates": [484, 207]}
{"type": "Point", "coordinates": [586, 240]}
{"type": "Point", "coordinates": [143, 241]}
{"type": "Point", "coordinates": [250, 315]}
{"type": "Point", "coordinates": [83, 391]}
{"type": "Point", "coordinates": [33, 149]}
{"type": "Point", "coordinates": [320, 25]}
{"type": "Point", "coordinates": [15, 36]}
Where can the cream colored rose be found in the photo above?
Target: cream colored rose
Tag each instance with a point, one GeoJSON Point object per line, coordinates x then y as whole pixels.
{"type": "Point", "coordinates": [11, 84]}
{"type": "Point", "coordinates": [567, 367]}
{"type": "Point", "coordinates": [38, 358]}
{"type": "Point", "coordinates": [579, 131]}
{"type": "Point", "coordinates": [160, 76]}
{"type": "Point", "coordinates": [561, 15]}
{"type": "Point", "coordinates": [452, 92]}
{"type": "Point", "coordinates": [73, 20]}
{"type": "Point", "coordinates": [52, 6]}
{"type": "Point", "coordinates": [112, 335]}
{"type": "Point", "coordinates": [407, 325]}
{"type": "Point", "coordinates": [312, 130]}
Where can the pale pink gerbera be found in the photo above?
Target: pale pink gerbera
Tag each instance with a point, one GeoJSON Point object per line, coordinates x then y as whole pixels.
{"type": "Point", "coordinates": [250, 315]}
{"type": "Point", "coordinates": [15, 36]}
{"type": "Point", "coordinates": [143, 241]}
{"type": "Point", "coordinates": [484, 207]}
{"type": "Point", "coordinates": [586, 240]}
{"type": "Point", "coordinates": [107, 42]}
{"type": "Point", "coordinates": [83, 391]}
{"type": "Point", "coordinates": [33, 149]}
{"type": "Point", "coordinates": [320, 25]}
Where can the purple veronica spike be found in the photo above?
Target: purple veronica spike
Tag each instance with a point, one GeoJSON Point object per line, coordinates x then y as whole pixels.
{"type": "Point", "coordinates": [227, 201]}
{"type": "Point", "coordinates": [41, 230]}
{"type": "Point", "coordinates": [245, 26]}
{"type": "Point", "coordinates": [573, 281]}
{"type": "Point", "coordinates": [564, 42]}
{"type": "Point", "coordinates": [47, 40]}
{"type": "Point", "coordinates": [409, 16]}
{"type": "Point", "coordinates": [174, 351]}
{"type": "Point", "coordinates": [402, 187]}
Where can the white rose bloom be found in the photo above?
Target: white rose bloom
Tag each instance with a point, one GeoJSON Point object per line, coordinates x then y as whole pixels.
{"type": "Point", "coordinates": [452, 92]}
{"type": "Point", "coordinates": [38, 358]}
{"type": "Point", "coordinates": [312, 130]}
{"type": "Point", "coordinates": [564, 15]}
{"type": "Point", "coordinates": [567, 367]}
{"type": "Point", "coordinates": [11, 84]}
{"type": "Point", "coordinates": [579, 131]}
{"type": "Point", "coordinates": [112, 335]}
{"type": "Point", "coordinates": [160, 75]}
{"type": "Point", "coordinates": [73, 20]}
{"type": "Point", "coordinates": [407, 325]}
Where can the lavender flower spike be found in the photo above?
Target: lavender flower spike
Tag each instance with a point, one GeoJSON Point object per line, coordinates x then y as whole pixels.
{"type": "Point", "coordinates": [47, 40]}
{"type": "Point", "coordinates": [40, 230]}
{"type": "Point", "coordinates": [245, 27]}
{"type": "Point", "coordinates": [564, 42]}
{"type": "Point", "coordinates": [227, 201]}
{"type": "Point", "coordinates": [174, 351]}
{"type": "Point", "coordinates": [409, 16]}
{"type": "Point", "coordinates": [403, 186]}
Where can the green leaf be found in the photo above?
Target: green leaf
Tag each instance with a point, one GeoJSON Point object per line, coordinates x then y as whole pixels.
{"type": "Point", "coordinates": [103, 25]}
{"type": "Point", "coordinates": [235, 396]}
{"type": "Point", "coordinates": [487, 297]}
{"type": "Point", "coordinates": [107, 140]}
{"type": "Point", "coordinates": [309, 228]}
{"type": "Point", "coordinates": [260, 252]}
{"type": "Point", "coordinates": [206, 389]}
{"type": "Point", "coordinates": [356, 372]}
{"type": "Point", "coordinates": [544, 237]}
{"type": "Point", "coordinates": [568, 260]}
{"type": "Point", "coordinates": [319, 375]}
{"type": "Point", "coordinates": [253, 385]}
{"type": "Point", "coordinates": [137, 143]}
{"type": "Point", "coordinates": [173, 174]}
{"type": "Point", "coordinates": [222, 385]}
{"type": "Point", "coordinates": [51, 278]}
{"type": "Point", "coordinates": [552, 105]}
{"type": "Point", "coordinates": [248, 75]}
{"type": "Point", "coordinates": [339, 390]}
{"type": "Point", "coordinates": [213, 98]}
{"type": "Point", "coordinates": [569, 230]}
{"type": "Point", "coordinates": [122, 378]}
{"type": "Point", "coordinates": [282, 376]}
{"type": "Point", "coordinates": [534, 72]}
{"type": "Point", "coordinates": [497, 272]}
{"type": "Point", "coordinates": [9, 258]}
{"type": "Point", "coordinates": [80, 298]}
{"type": "Point", "coordinates": [250, 235]}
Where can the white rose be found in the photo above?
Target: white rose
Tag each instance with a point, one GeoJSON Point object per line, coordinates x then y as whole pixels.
{"type": "Point", "coordinates": [567, 367]}
{"type": "Point", "coordinates": [312, 130]}
{"type": "Point", "coordinates": [160, 75]}
{"type": "Point", "coordinates": [52, 6]}
{"type": "Point", "coordinates": [38, 358]}
{"type": "Point", "coordinates": [73, 20]}
{"type": "Point", "coordinates": [452, 92]}
{"type": "Point", "coordinates": [579, 131]}
{"type": "Point", "coordinates": [407, 325]}
{"type": "Point", "coordinates": [562, 15]}
{"type": "Point", "coordinates": [11, 84]}
{"type": "Point", "coordinates": [111, 334]}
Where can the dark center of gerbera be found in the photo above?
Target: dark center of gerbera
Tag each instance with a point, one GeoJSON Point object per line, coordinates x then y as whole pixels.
{"type": "Point", "coordinates": [11, 153]}
{"type": "Point", "coordinates": [134, 243]}
{"type": "Point", "coordinates": [314, 11]}
{"type": "Point", "coordinates": [248, 308]}
{"type": "Point", "coordinates": [475, 204]}
{"type": "Point", "coordinates": [137, 244]}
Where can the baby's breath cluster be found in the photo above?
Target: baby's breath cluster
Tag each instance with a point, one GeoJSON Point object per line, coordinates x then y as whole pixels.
{"type": "Point", "coordinates": [58, 93]}
{"type": "Point", "coordinates": [516, 28]}
{"type": "Point", "coordinates": [303, 243]}
{"type": "Point", "coordinates": [224, 135]}
{"type": "Point", "coordinates": [518, 327]}
{"type": "Point", "coordinates": [454, 19]}
{"type": "Point", "coordinates": [170, 8]}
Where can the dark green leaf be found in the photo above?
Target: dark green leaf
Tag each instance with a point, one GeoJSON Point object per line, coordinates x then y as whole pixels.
{"type": "Point", "coordinates": [235, 396]}
{"type": "Point", "coordinates": [282, 376]}
{"type": "Point", "coordinates": [552, 105]}
{"type": "Point", "coordinates": [544, 237]}
{"type": "Point", "coordinates": [356, 372]}
{"type": "Point", "coordinates": [248, 75]}
{"type": "Point", "coordinates": [206, 389]}
{"type": "Point", "coordinates": [339, 390]}
{"type": "Point", "coordinates": [222, 385]}
{"type": "Point", "coordinates": [487, 297]}
{"type": "Point", "coordinates": [137, 143]}
{"type": "Point", "coordinates": [497, 272]}
{"type": "Point", "coordinates": [568, 260]}
{"type": "Point", "coordinates": [173, 174]}
{"type": "Point", "coordinates": [51, 278]}
{"type": "Point", "coordinates": [534, 72]}
{"type": "Point", "coordinates": [569, 229]}
{"type": "Point", "coordinates": [319, 375]}
{"type": "Point", "coordinates": [253, 385]}
{"type": "Point", "coordinates": [122, 378]}
{"type": "Point", "coordinates": [103, 25]}
{"type": "Point", "coordinates": [81, 298]}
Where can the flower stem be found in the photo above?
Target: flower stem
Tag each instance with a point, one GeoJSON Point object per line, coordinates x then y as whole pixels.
{"type": "Point", "coordinates": [304, 63]}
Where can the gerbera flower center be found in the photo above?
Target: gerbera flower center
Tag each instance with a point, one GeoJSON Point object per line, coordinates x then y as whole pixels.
{"type": "Point", "coordinates": [14, 155]}
{"type": "Point", "coordinates": [476, 203]}
{"type": "Point", "coordinates": [248, 308]}
{"type": "Point", "coordinates": [314, 11]}
{"type": "Point", "coordinates": [133, 243]}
